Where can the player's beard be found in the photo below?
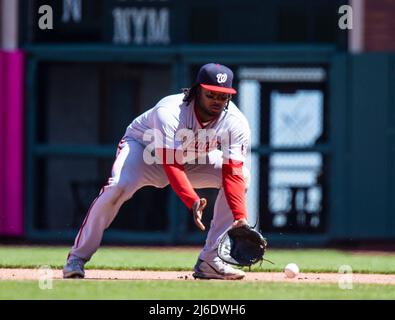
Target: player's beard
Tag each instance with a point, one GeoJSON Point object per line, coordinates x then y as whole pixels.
{"type": "Point", "coordinates": [210, 112]}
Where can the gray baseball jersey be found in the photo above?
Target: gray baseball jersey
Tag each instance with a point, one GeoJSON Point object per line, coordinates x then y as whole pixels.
{"type": "Point", "coordinates": [229, 138]}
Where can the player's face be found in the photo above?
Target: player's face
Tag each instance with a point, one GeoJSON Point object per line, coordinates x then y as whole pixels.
{"type": "Point", "coordinates": [212, 103]}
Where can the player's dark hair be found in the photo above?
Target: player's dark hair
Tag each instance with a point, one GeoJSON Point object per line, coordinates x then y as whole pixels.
{"type": "Point", "coordinates": [192, 92]}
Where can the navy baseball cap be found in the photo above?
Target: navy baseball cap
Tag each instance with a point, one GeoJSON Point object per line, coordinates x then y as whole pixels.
{"type": "Point", "coordinates": [216, 77]}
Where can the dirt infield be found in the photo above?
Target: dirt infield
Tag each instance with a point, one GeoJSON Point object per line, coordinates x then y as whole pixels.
{"type": "Point", "coordinates": [34, 274]}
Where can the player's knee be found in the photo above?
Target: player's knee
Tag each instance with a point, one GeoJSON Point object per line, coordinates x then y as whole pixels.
{"type": "Point", "coordinates": [117, 193]}
{"type": "Point", "coordinates": [161, 183]}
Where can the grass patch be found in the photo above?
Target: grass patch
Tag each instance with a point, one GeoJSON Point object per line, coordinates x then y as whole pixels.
{"type": "Point", "coordinates": [187, 290]}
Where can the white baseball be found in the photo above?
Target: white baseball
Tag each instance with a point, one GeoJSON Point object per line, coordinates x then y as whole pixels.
{"type": "Point", "coordinates": [291, 270]}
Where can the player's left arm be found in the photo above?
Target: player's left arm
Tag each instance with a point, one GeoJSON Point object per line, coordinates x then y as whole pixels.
{"type": "Point", "coordinates": [233, 180]}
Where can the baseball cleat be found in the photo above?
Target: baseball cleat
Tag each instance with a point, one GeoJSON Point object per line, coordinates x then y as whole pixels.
{"type": "Point", "coordinates": [216, 269]}
{"type": "Point", "coordinates": [74, 269]}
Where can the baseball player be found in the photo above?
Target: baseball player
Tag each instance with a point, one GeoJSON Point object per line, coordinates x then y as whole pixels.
{"type": "Point", "coordinates": [196, 139]}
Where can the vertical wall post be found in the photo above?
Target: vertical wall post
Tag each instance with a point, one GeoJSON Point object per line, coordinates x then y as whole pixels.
{"type": "Point", "coordinates": [11, 120]}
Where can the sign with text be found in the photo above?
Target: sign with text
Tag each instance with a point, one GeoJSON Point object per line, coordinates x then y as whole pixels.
{"type": "Point", "coordinates": [118, 22]}
{"type": "Point", "coordinates": [135, 23]}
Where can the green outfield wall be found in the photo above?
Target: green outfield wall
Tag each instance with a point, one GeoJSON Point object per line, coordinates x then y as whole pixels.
{"type": "Point", "coordinates": [357, 147]}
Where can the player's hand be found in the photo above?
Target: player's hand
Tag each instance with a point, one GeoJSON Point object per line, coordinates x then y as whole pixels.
{"type": "Point", "coordinates": [239, 223]}
{"type": "Point", "coordinates": [197, 212]}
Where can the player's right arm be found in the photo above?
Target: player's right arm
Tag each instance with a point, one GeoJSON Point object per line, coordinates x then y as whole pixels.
{"type": "Point", "coordinates": [177, 177]}
{"type": "Point", "coordinates": [182, 186]}
{"type": "Point", "coordinates": [175, 172]}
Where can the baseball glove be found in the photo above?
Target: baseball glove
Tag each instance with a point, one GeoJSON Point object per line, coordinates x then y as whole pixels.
{"type": "Point", "coordinates": [242, 246]}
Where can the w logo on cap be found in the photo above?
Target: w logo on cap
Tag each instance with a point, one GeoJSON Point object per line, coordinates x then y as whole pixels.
{"type": "Point", "coordinates": [222, 77]}
{"type": "Point", "coordinates": [216, 77]}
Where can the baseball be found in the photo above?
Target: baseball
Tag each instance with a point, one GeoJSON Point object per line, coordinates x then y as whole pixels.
{"type": "Point", "coordinates": [291, 270]}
